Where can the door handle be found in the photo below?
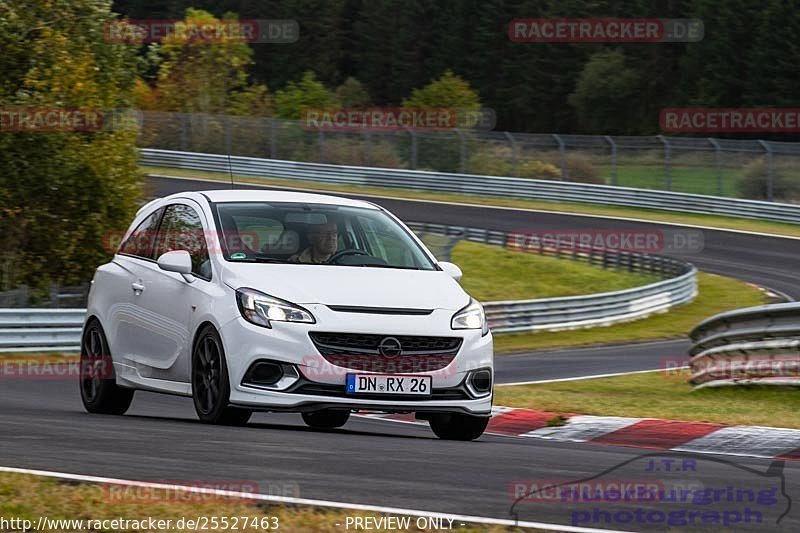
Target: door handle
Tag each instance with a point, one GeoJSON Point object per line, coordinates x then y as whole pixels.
{"type": "Point", "coordinates": [137, 287]}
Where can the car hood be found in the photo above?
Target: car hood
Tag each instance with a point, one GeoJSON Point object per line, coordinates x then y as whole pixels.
{"type": "Point", "coordinates": [358, 286]}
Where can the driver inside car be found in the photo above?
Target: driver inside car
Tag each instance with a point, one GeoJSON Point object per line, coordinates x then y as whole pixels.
{"type": "Point", "coordinates": [323, 240]}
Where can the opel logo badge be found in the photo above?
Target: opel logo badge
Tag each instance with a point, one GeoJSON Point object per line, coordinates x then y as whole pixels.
{"type": "Point", "coordinates": [390, 347]}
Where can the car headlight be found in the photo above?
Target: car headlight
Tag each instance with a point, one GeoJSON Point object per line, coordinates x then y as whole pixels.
{"type": "Point", "coordinates": [261, 309]}
{"type": "Point", "coordinates": [471, 317]}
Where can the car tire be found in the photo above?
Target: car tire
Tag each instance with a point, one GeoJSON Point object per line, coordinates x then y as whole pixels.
{"type": "Point", "coordinates": [326, 419]}
{"type": "Point", "coordinates": [99, 390]}
{"type": "Point", "coordinates": [211, 388]}
{"type": "Point", "coordinates": [457, 426]}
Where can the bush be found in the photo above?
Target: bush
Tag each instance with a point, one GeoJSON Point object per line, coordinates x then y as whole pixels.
{"type": "Point", "coordinates": [753, 183]}
{"type": "Point", "coordinates": [581, 169]}
{"type": "Point", "coordinates": [352, 151]}
{"type": "Point", "coordinates": [497, 162]}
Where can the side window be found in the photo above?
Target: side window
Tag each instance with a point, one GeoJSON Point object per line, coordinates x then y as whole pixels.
{"type": "Point", "coordinates": [182, 229]}
{"type": "Point", "coordinates": [141, 241]}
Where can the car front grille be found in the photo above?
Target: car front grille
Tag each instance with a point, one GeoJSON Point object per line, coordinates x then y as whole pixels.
{"type": "Point", "coordinates": [361, 351]}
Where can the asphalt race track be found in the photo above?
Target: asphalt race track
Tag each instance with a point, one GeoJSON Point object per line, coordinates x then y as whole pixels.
{"type": "Point", "coordinates": [387, 463]}
{"type": "Point", "coordinates": [368, 461]}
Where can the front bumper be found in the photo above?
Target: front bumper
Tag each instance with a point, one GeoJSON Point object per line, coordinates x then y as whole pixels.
{"type": "Point", "coordinates": [321, 384]}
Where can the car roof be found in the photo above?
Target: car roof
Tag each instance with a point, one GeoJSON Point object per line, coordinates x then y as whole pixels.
{"type": "Point", "coordinates": [261, 195]}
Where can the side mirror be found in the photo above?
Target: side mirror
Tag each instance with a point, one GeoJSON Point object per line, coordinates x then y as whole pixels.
{"type": "Point", "coordinates": [177, 261]}
{"type": "Point", "coordinates": [452, 270]}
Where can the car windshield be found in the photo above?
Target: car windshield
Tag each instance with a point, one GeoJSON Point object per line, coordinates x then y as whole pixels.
{"type": "Point", "coordinates": [319, 234]}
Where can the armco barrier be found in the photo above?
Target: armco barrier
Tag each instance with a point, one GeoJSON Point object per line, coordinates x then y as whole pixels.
{"type": "Point", "coordinates": [680, 286]}
{"type": "Point", "coordinates": [60, 329]}
{"type": "Point", "coordinates": [755, 345]}
{"type": "Point", "coordinates": [40, 330]}
{"type": "Point", "coordinates": [471, 184]}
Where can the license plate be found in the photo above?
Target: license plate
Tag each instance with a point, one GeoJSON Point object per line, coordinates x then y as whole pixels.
{"type": "Point", "coordinates": [390, 385]}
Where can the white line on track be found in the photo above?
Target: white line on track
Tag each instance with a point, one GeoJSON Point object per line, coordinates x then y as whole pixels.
{"type": "Point", "coordinates": [596, 376]}
{"type": "Point", "coordinates": [304, 501]}
{"type": "Point", "coordinates": [500, 207]}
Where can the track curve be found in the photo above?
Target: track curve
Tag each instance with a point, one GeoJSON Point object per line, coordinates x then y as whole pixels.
{"type": "Point", "coordinates": [372, 461]}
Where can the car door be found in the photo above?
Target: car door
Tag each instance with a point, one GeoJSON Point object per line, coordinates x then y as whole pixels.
{"type": "Point", "coordinates": [123, 292]}
{"type": "Point", "coordinates": [168, 301]}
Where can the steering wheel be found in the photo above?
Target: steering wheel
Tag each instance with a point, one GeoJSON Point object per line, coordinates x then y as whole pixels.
{"type": "Point", "coordinates": [350, 251]}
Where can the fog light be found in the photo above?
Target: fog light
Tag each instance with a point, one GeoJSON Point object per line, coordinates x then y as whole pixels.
{"type": "Point", "coordinates": [273, 375]}
{"type": "Point", "coordinates": [479, 382]}
{"type": "Point", "coordinates": [264, 373]}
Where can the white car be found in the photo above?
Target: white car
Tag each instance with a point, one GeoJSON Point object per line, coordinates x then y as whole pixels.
{"type": "Point", "coordinates": [251, 300]}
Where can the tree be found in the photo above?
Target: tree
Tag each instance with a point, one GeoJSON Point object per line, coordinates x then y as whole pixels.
{"type": "Point", "coordinates": [199, 77]}
{"type": "Point", "coordinates": [305, 94]}
{"type": "Point", "coordinates": [604, 94]}
{"type": "Point", "coordinates": [62, 192]}
{"type": "Point", "coordinates": [448, 91]}
{"type": "Point", "coordinates": [352, 94]}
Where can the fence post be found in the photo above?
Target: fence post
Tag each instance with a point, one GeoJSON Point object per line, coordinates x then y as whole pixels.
{"type": "Point", "coordinates": [514, 154]}
{"type": "Point", "coordinates": [227, 122]}
{"type": "Point", "coordinates": [273, 140]}
{"type": "Point", "coordinates": [321, 140]}
{"type": "Point", "coordinates": [667, 162]}
{"type": "Point", "coordinates": [562, 153]}
{"type": "Point", "coordinates": [770, 170]}
{"type": "Point", "coordinates": [613, 145]}
{"type": "Point", "coordinates": [717, 163]}
{"type": "Point", "coordinates": [184, 133]}
{"type": "Point", "coordinates": [462, 151]}
{"type": "Point", "coordinates": [367, 148]}
{"type": "Point", "coordinates": [413, 158]}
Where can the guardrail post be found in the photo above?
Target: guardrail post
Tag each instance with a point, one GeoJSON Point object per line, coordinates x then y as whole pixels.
{"type": "Point", "coordinates": [462, 151]}
{"type": "Point", "coordinates": [613, 145]}
{"type": "Point", "coordinates": [667, 163]}
{"type": "Point", "coordinates": [717, 163]}
{"type": "Point", "coordinates": [563, 157]}
{"type": "Point", "coordinates": [413, 158]}
{"type": "Point", "coordinates": [514, 154]}
{"type": "Point", "coordinates": [770, 170]}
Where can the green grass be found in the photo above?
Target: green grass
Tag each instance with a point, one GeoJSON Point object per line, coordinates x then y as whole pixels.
{"type": "Point", "coordinates": [492, 273]}
{"type": "Point", "coordinates": [716, 294]}
{"type": "Point", "coordinates": [29, 497]}
{"type": "Point", "coordinates": [665, 394]}
{"type": "Point", "coordinates": [654, 215]}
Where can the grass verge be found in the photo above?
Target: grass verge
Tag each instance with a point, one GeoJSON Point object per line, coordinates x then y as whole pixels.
{"type": "Point", "coordinates": [716, 294]}
{"type": "Point", "coordinates": [654, 215]}
{"type": "Point", "coordinates": [667, 395]}
{"type": "Point", "coordinates": [492, 273]}
{"type": "Point", "coordinates": [30, 497]}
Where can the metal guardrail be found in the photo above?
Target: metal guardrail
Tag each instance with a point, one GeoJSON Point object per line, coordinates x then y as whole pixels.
{"type": "Point", "coordinates": [754, 345]}
{"type": "Point", "coordinates": [40, 330]}
{"type": "Point", "coordinates": [471, 184]}
{"type": "Point", "coordinates": [550, 314]}
{"type": "Point", "coordinates": [60, 329]}
{"type": "Point", "coordinates": [742, 168]}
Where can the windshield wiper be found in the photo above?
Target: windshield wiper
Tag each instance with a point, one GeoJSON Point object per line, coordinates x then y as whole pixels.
{"type": "Point", "coordinates": [378, 265]}
{"type": "Point", "coordinates": [257, 259]}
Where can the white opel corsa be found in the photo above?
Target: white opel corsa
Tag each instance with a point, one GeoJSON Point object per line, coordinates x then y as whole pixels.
{"type": "Point", "coordinates": [251, 300]}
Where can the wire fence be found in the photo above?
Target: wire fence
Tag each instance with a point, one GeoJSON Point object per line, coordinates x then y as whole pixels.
{"type": "Point", "coordinates": [752, 169]}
